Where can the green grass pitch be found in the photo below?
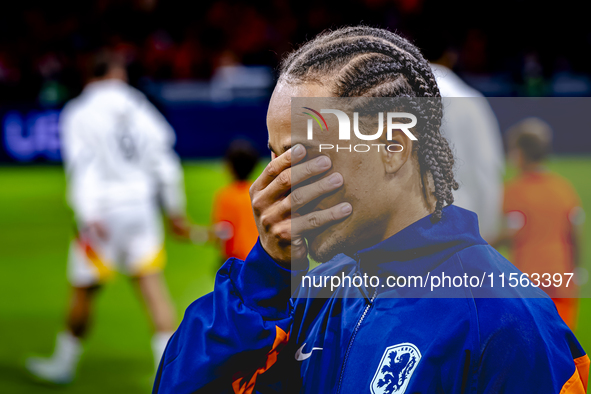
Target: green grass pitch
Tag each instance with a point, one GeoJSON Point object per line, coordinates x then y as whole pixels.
{"type": "Point", "coordinates": [35, 229]}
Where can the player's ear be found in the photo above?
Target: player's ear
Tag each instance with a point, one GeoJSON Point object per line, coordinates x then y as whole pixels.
{"type": "Point", "coordinates": [396, 152]}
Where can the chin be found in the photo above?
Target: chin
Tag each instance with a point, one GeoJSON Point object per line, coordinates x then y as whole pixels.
{"type": "Point", "coordinates": [328, 243]}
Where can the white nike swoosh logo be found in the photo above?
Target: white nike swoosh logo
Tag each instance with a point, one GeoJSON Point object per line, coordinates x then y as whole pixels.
{"type": "Point", "coordinates": [301, 356]}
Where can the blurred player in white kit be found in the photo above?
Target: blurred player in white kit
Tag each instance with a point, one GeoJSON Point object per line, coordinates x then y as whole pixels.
{"type": "Point", "coordinates": [471, 127]}
{"type": "Point", "coordinates": [120, 166]}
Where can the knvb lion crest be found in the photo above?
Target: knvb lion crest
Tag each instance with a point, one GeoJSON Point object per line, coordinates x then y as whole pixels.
{"type": "Point", "coordinates": [396, 368]}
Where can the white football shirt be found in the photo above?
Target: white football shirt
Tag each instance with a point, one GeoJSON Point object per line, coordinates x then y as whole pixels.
{"type": "Point", "coordinates": [118, 151]}
{"type": "Point", "coordinates": [472, 129]}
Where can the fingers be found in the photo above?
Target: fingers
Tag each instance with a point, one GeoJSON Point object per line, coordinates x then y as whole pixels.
{"type": "Point", "coordinates": [307, 193]}
{"type": "Point", "coordinates": [300, 197]}
{"type": "Point", "coordinates": [281, 228]}
{"type": "Point", "coordinates": [277, 166]}
{"type": "Point", "coordinates": [290, 177]}
{"type": "Point", "coordinates": [310, 168]}
{"type": "Point", "coordinates": [293, 248]}
{"type": "Point", "coordinates": [299, 251]}
{"type": "Point", "coordinates": [317, 219]}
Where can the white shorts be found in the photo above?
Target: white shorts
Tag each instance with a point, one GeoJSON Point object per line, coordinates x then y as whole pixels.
{"type": "Point", "coordinates": [134, 246]}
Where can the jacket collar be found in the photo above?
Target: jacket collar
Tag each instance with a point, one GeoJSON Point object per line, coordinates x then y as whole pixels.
{"type": "Point", "coordinates": [423, 245]}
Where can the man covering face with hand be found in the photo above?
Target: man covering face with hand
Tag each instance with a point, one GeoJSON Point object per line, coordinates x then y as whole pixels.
{"type": "Point", "coordinates": [379, 213]}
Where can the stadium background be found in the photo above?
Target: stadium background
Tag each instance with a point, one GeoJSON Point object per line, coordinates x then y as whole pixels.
{"type": "Point", "coordinates": [210, 67]}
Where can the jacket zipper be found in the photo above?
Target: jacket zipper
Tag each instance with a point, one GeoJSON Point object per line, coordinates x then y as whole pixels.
{"type": "Point", "coordinates": [365, 311]}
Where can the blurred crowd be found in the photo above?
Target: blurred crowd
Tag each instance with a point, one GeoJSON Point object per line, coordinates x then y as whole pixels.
{"type": "Point", "coordinates": [44, 46]}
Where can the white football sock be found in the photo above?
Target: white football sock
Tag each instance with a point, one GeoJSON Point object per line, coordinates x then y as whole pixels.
{"type": "Point", "coordinates": [67, 350]}
{"type": "Point", "coordinates": [159, 341]}
{"type": "Point", "coordinates": [61, 366]}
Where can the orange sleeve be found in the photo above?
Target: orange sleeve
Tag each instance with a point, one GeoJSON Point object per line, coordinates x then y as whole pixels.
{"type": "Point", "coordinates": [574, 200]}
{"type": "Point", "coordinates": [220, 207]}
{"type": "Point", "coordinates": [510, 200]}
{"type": "Point", "coordinates": [569, 194]}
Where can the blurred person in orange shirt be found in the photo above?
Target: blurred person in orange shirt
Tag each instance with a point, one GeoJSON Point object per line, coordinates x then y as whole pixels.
{"type": "Point", "coordinates": [543, 216]}
{"type": "Point", "coordinates": [234, 226]}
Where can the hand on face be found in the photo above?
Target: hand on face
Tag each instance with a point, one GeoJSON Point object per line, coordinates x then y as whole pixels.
{"type": "Point", "coordinates": [281, 233]}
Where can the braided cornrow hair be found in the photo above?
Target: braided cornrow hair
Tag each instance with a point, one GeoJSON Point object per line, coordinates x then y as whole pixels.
{"type": "Point", "coordinates": [368, 62]}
